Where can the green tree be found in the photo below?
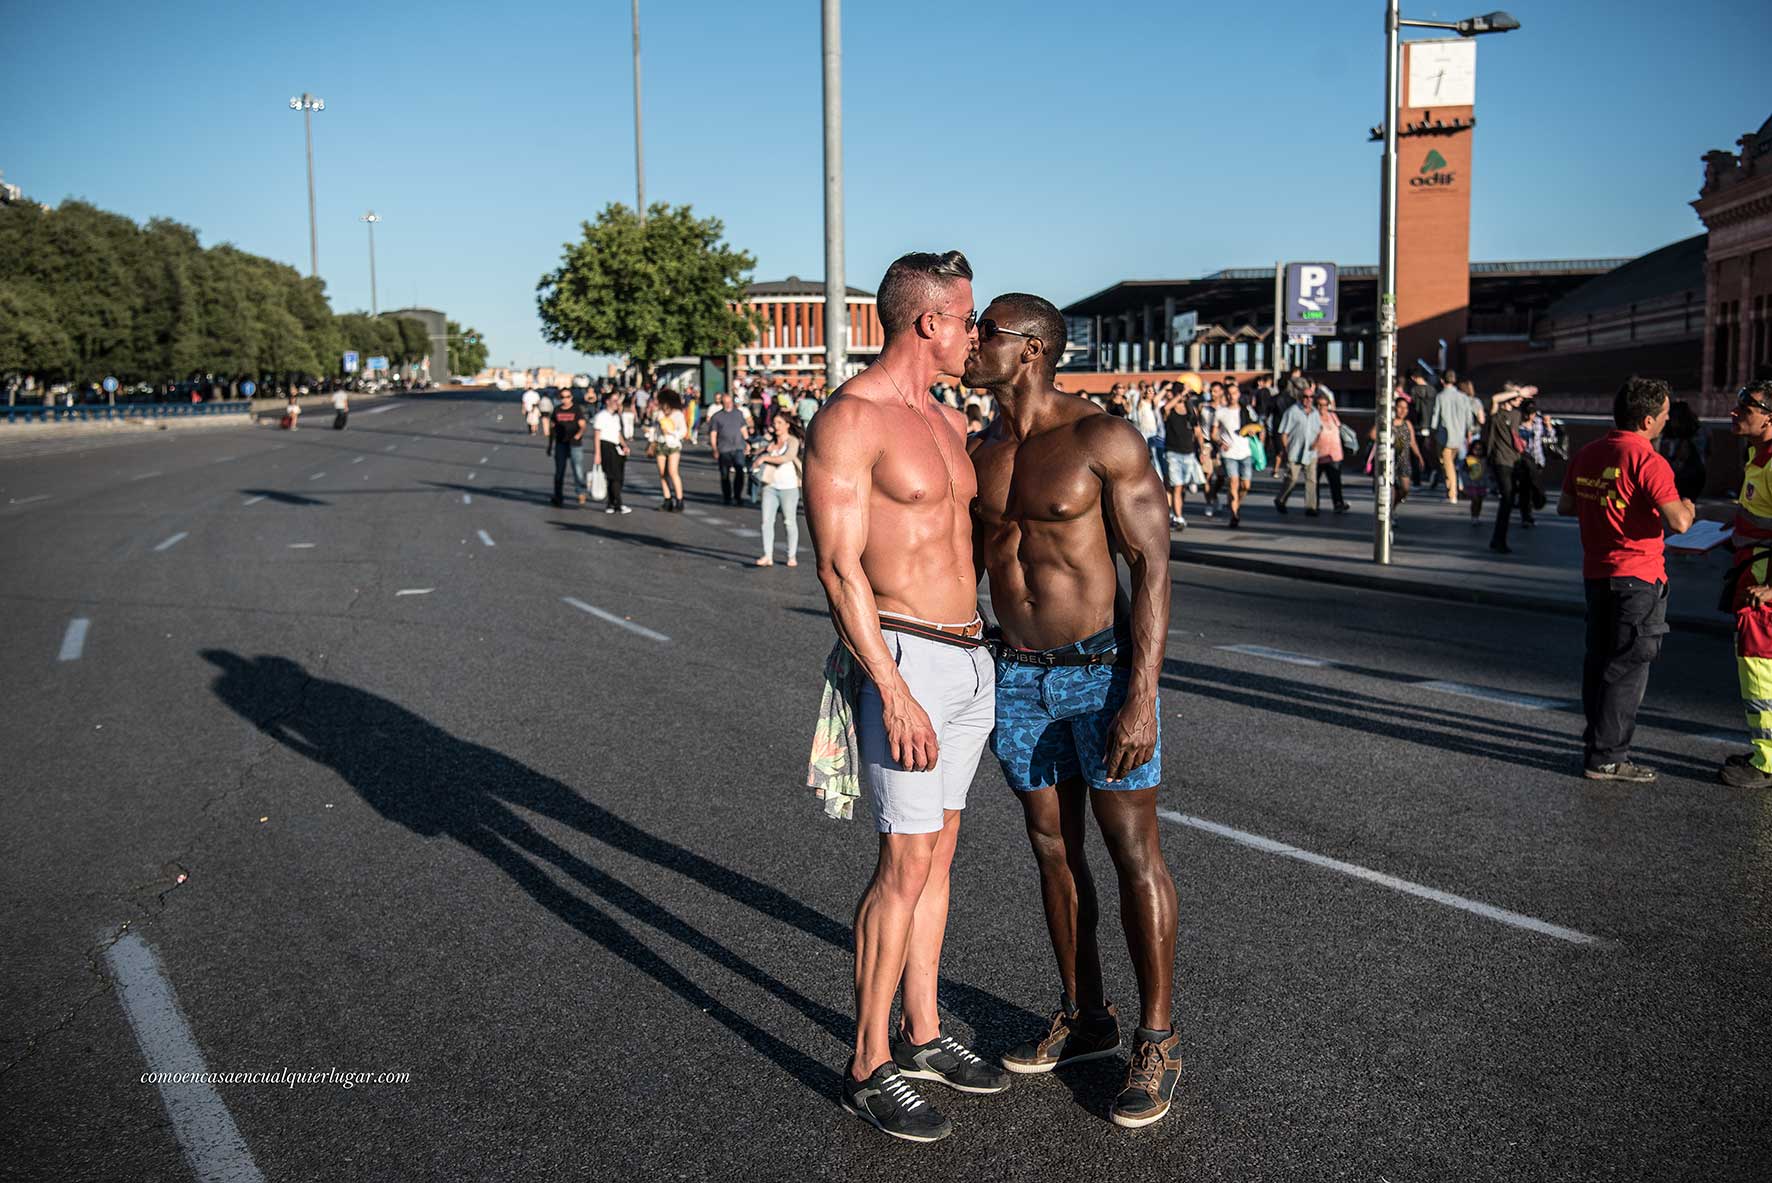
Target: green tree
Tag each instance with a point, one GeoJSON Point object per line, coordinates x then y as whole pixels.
{"type": "Point", "coordinates": [467, 350]}
{"type": "Point", "coordinates": [413, 340]}
{"type": "Point", "coordinates": [661, 289]}
{"type": "Point", "coordinates": [32, 340]}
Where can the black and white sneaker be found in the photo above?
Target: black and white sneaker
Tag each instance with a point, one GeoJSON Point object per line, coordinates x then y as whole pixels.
{"type": "Point", "coordinates": [887, 1102]}
{"type": "Point", "coordinates": [946, 1060]}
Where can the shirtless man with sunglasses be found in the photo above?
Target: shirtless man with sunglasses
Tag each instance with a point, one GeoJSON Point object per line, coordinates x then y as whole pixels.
{"type": "Point", "coordinates": [1062, 489]}
{"type": "Point", "coordinates": [888, 496]}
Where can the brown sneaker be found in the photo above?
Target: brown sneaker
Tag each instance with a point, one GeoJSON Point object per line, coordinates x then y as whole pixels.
{"type": "Point", "coordinates": [1068, 1041]}
{"type": "Point", "coordinates": [1150, 1082]}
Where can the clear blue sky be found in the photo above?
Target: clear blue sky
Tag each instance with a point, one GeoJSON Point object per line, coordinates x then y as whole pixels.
{"type": "Point", "coordinates": [1063, 146]}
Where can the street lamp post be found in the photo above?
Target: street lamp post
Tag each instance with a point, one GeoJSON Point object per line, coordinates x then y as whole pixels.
{"type": "Point", "coordinates": [371, 218]}
{"type": "Point", "coordinates": [1385, 406]}
{"type": "Point", "coordinates": [836, 288]}
{"type": "Point", "coordinates": [307, 104]}
{"type": "Point", "coordinates": [639, 157]}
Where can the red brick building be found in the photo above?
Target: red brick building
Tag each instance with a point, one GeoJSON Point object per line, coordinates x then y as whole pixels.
{"type": "Point", "coordinates": [1736, 205]}
{"type": "Point", "coordinates": [792, 341]}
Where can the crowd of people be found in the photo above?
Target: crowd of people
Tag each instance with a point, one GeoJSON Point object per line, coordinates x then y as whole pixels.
{"type": "Point", "coordinates": [753, 433]}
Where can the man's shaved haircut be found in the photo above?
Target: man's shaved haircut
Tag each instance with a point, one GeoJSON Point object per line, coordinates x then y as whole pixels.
{"type": "Point", "coordinates": [916, 283]}
{"type": "Point", "coordinates": [1039, 316]}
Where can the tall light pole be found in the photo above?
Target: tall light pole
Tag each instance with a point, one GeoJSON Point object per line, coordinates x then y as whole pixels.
{"type": "Point", "coordinates": [1385, 408]}
{"type": "Point", "coordinates": [836, 289]}
{"type": "Point", "coordinates": [307, 104]}
{"type": "Point", "coordinates": [639, 156]}
{"type": "Point", "coordinates": [371, 218]}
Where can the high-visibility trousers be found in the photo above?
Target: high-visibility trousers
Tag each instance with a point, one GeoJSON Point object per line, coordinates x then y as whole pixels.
{"type": "Point", "coordinates": [1753, 659]}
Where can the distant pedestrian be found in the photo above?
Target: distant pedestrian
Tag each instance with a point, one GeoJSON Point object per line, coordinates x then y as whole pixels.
{"type": "Point", "coordinates": [809, 405]}
{"type": "Point", "coordinates": [1235, 458]}
{"type": "Point", "coordinates": [1749, 587]}
{"type": "Point", "coordinates": [670, 428]}
{"type": "Point", "coordinates": [728, 430]}
{"type": "Point", "coordinates": [1507, 465]}
{"type": "Point", "coordinates": [1403, 450]}
{"type": "Point", "coordinates": [532, 410]}
{"type": "Point", "coordinates": [1623, 493]}
{"type": "Point", "coordinates": [291, 413]}
{"type": "Point", "coordinates": [609, 445]}
{"type": "Point", "coordinates": [566, 433]}
{"type": "Point", "coordinates": [1299, 428]}
{"type": "Point", "coordinates": [1331, 448]}
{"type": "Point", "coordinates": [778, 470]}
{"type": "Point", "coordinates": [1183, 443]}
{"type": "Point", "coordinates": [1454, 415]}
{"type": "Point", "coordinates": [341, 409]}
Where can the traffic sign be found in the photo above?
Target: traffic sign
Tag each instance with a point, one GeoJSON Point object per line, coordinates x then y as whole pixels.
{"type": "Point", "coordinates": [249, 388]}
{"type": "Point", "coordinates": [110, 385]}
{"type": "Point", "coordinates": [1312, 291]}
{"type": "Point", "coordinates": [350, 361]}
{"type": "Point", "coordinates": [375, 363]}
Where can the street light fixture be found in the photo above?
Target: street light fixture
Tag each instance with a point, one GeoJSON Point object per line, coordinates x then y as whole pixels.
{"type": "Point", "coordinates": [307, 104]}
{"type": "Point", "coordinates": [371, 218]}
{"type": "Point", "coordinates": [1385, 460]}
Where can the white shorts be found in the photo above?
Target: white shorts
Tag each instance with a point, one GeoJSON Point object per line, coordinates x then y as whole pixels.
{"type": "Point", "coordinates": [957, 689]}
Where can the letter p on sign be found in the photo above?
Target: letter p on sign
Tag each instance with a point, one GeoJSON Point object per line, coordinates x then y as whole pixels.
{"type": "Point", "coordinates": [1312, 281]}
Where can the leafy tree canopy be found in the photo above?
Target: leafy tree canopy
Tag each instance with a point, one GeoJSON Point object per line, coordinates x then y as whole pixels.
{"type": "Point", "coordinates": [663, 288]}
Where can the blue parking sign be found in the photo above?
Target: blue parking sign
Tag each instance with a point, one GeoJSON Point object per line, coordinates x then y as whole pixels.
{"type": "Point", "coordinates": [249, 388]}
{"type": "Point", "coordinates": [1311, 296]}
{"type": "Point", "coordinates": [350, 361]}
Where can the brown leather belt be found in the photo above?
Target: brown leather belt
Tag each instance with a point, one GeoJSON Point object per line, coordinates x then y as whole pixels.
{"type": "Point", "coordinates": [962, 636]}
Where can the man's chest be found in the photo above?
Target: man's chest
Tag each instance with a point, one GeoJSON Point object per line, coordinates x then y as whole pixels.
{"type": "Point", "coordinates": [1039, 480]}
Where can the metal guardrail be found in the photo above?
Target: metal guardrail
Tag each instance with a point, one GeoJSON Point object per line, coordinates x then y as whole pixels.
{"type": "Point", "coordinates": [88, 413]}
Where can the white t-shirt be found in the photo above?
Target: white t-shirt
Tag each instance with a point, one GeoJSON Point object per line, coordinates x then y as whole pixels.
{"type": "Point", "coordinates": [781, 476]}
{"type": "Point", "coordinates": [547, 405]}
{"type": "Point", "coordinates": [1226, 423]}
{"type": "Point", "coordinates": [338, 401]}
{"type": "Point", "coordinates": [608, 426]}
{"type": "Point", "coordinates": [530, 400]}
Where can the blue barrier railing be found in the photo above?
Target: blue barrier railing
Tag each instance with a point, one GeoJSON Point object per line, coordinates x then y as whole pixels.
{"type": "Point", "coordinates": [84, 414]}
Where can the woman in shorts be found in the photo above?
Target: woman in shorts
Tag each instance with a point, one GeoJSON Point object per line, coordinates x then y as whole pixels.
{"type": "Point", "coordinates": [667, 445]}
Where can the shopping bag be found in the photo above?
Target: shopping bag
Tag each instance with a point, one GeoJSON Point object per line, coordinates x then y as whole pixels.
{"type": "Point", "coordinates": [599, 483]}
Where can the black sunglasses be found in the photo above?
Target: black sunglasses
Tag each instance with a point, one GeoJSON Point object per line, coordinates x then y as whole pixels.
{"type": "Point", "coordinates": [1745, 399]}
{"type": "Point", "coordinates": [988, 328]}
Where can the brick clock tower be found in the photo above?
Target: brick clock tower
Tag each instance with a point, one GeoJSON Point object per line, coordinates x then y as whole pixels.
{"type": "Point", "coordinates": [1434, 131]}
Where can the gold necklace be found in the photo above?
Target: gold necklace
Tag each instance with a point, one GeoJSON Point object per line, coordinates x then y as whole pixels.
{"type": "Point", "coordinates": [953, 490]}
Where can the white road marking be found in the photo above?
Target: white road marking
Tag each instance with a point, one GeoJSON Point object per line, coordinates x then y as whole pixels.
{"type": "Point", "coordinates": [316, 476]}
{"type": "Point", "coordinates": [254, 500]}
{"type": "Point", "coordinates": [301, 546]}
{"type": "Point", "coordinates": [142, 476]}
{"type": "Point", "coordinates": [201, 1122]}
{"type": "Point", "coordinates": [221, 459]}
{"type": "Point", "coordinates": [74, 640]}
{"type": "Point", "coordinates": [28, 500]}
{"type": "Point", "coordinates": [484, 459]}
{"type": "Point", "coordinates": [1475, 907]}
{"type": "Point", "coordinates": [700, 513]}
{"type": "Point", "coordinates": [415, 591]}
{"type": "Point", "coordinates": [381, 410]}
{"type": "Point", "coordinates": [1278, 655]}
{"type": "Point", "coordinates": [486, 539]}
{"type": "Point", "coordinates": [1530, 702]}
{"type": "Point", "coordinates": [744, 532]}
{"type": "Point", "coordinates": [174, 540]}
{"type": "Point", "coordinates": [612, 618]}
{"type": "Point", "coordinates": [467, 499]}
{"type": "Point", "coordinates": [358, 460]}
{"type": "Point", "coordinates": [390, 447]}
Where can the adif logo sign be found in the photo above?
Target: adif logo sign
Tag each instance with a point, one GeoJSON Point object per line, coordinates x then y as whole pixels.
{"type": "Point", "coordinates": [1433, 172]}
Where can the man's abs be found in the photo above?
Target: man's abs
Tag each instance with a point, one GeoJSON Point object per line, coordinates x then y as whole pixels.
{"type": "Point", "coordinates": [1052, 583]}
{"type": "Point", "coordinates": [919, 561]}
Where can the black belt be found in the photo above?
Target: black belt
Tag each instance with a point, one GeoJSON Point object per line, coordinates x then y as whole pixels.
{"type": "Point", "coordinates": [937, 633]}
{"type": "Point", "coordinates": [1003, 651]}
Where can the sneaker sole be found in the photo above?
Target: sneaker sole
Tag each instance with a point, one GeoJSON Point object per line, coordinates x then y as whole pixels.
{"type": "Point", "coordinates": [1134, 1123]}
{"type": "Point", "coordinates": [1596, 774]}
{"type": "Point", "coordinates": [1019, 1066]}
{"type": "Point", "coordinates": [873, 1121]}
{"type": "Point", "coordinates": [938, 1078]}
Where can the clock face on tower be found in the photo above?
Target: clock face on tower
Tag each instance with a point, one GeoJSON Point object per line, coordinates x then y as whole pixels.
{"type": "Point", "coordinates": [1442, 74]}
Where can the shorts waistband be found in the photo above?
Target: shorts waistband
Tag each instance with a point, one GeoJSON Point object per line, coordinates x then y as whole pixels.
{"type": "Point", "coordinates": [960, 636]}
{"type": "Point", "coordinates": [1101, 648]}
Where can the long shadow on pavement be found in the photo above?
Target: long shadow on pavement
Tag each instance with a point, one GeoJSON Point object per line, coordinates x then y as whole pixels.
{"type": "Point", "coordinates": [284, 498]}
{"type": "Point", "coordinates": [656, 543]}
{"type": "Point", "coordinates": [435, 783]}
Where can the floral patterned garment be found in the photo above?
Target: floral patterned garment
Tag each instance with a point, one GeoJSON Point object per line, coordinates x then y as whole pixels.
{"type": "Point", "coordinates": [833, 772]}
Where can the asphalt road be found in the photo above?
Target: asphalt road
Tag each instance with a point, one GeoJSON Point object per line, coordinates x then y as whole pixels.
{"type": "Point", "coordinates": [434, 818]}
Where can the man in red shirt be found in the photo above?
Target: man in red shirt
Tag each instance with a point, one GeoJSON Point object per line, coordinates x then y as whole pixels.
{"type": "Point", "coordinates": [1623, 492]}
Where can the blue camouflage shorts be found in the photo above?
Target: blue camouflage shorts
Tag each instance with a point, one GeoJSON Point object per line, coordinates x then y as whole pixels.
{"type": "Point", "coordinates": [1053, 721]}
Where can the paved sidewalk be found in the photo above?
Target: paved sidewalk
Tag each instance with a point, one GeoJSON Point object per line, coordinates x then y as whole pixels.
{"type": "Point", "coordinates": [1436, 552]}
